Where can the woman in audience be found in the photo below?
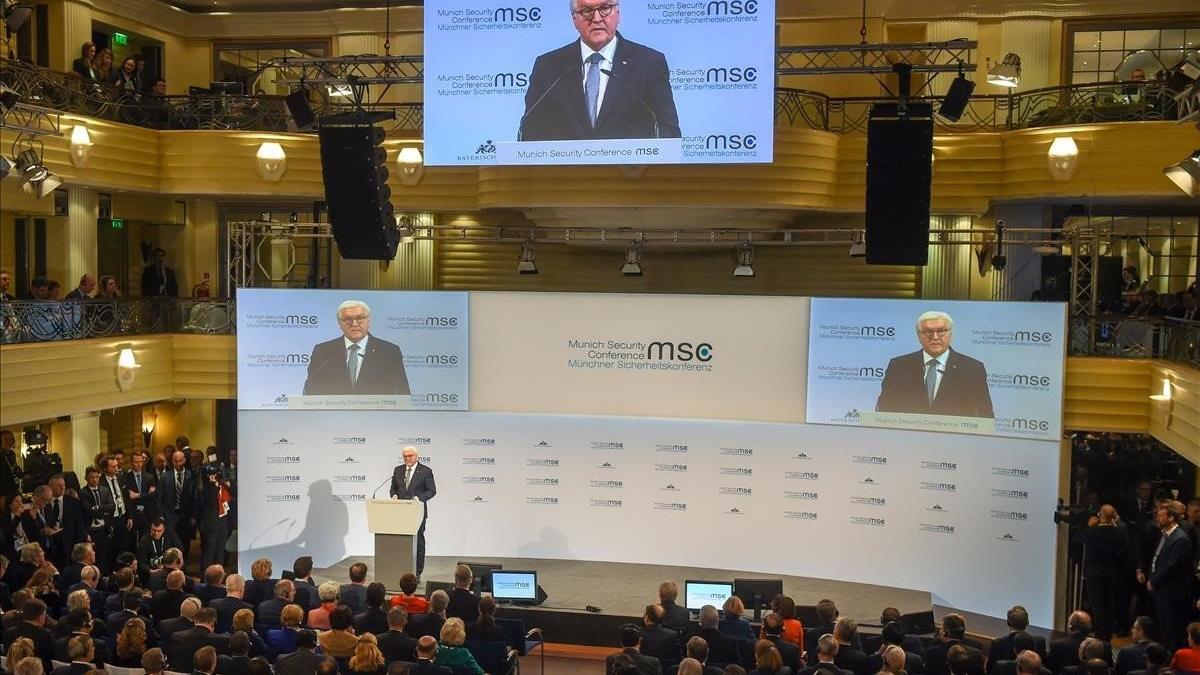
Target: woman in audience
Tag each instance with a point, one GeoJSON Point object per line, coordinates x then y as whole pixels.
{"type": "Point", "coordinates": [367, 659]}
{"type": "Point", "coordinates": [690, 666]}
{"type": "Point", "coordinates": [283, 640]}
{"type": "Point", "coordinates": [102, 64]}
{"type": "Point", "coordinates": [20, 648]}
{"type": "Point", "coordinates": [793, 630]}
{"type": "Point", "coordinates": [408, 599]}
{"type": "Point", "coordinates": [733, 624]}
{"type": "Point", "coordinates": [131, 644]}
{"type": "Point", "coordinates": [318, 617]}
{"type": "Point", "coordinates": [339, 641]}
{"type": "Point", "coordinates": [767, 660]}
{"type": "Point", "coordinates": [893, 660]}
{"type": "Point", "coordinates": [243, 620]}
{"type": "Point", "coordinates": [41, 586]}
{"type": "Point", "coordinates": [108, 288]}
{"type": "Point", "coordinates": [127, 79]}
{"type": "Point", "coordinates": [451, 652]}
{"type": "Point", "coordinates": [17, 528]}
{"type": "Point", "coordinates": [484, 629]}
{"type": "Point", "coordinates": [83, 65]}
{"type": "Point", "coordinates": [261, 586]}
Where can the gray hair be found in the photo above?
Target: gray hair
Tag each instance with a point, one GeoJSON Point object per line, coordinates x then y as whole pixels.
{"type": "Point", "coordinates": [933, 316]}
{"type": "Point", "coordinates": [438, 601]}
{"type": "Point", "coordinates": [709, 617]}
{"type": "Point", "coordinates": [328, 591]}
{"type": "Point", "coordinates": [235, 583]}
{"type": "Point", "coordinates": [353, 304]}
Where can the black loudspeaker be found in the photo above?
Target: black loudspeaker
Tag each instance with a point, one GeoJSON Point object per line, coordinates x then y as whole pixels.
{"type": "Point", "coordinates": [300, 110]}
{"type": "Point", "coordinates": [956, 99]}
{"type": "Point", "coordinates": [356, 191]}
{"type": "Point", "coordinates": [899, 150]}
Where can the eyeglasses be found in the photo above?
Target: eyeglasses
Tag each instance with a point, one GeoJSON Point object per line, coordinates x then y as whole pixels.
{"type": "Point", "coordinates": [355, 320]}
{"type": "Point", "coordinates": [936, 332]}
{"type": "Point", "coordinates": [588, 14]}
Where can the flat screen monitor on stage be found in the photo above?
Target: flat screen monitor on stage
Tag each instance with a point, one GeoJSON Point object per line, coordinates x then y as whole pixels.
{"type": "Point", "coordinates": [697, 594]}
{"type": "Point", "coordinates": [483, 574]}
{"type": "Point", "coordinates": [510, 586]}
{"type": "Point", "coordinates": [757, 593]}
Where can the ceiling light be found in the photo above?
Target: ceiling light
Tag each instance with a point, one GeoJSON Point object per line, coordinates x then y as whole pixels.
{"type": "Point", "coordinates": [1007, 73]}
{"type": "Point", "coordinates": [745, 260]}
{"type": "Point", "coordinates": [1186, 174]}
{"type": "Point", "coordinates": [526, 264]}
{"type": "Point", "coordinates": [633, 260]}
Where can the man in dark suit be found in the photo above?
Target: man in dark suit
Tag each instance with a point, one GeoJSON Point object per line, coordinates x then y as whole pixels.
{"type": "Point", "coordinates": [1064, 651]}
{"type": "Point", "coordinates": [164, 604]}
{"type": "Point", "coordinates": [935, 380]}
{"type": "Point", "coordinates": [213, 586]}
{"type": "Point", "coordinates": [431, 622]}
{"type": "Point", "coordinates": [354, 594]}
{"type": "Point", "coordinates": [1003, 649]}
{"type": "Point", "coordinates": [824, 657]}
{"type": "Point", "coordinates": [912, 643]}
{"type": "Point", "coordinates": [696, 648]}
{"type": "Point", "coordinates": [238, 660]}
{"type": "Point", "coordinates": [356, 362]}
{"type": "Point", "coordinates": [185, 621]}
{"type": "Point", "coordinates": [426, 654]}
{"type": "Point", "coordinates": [65, 515]}
{"type": "Point", "coordinates": [79, 621]}
{"type": "Point", "coordinates": [953, 632]}
{"type": "Point", "coordinates": [179, 498]}
{"type": "Point", "coordinates": [375, 619]}
{"type": "Point", "coordinates": [413, 480]}
{"type": "Point", "coordinates": [98, 509]}
{"type": "Point", "coordinates": [152, 548]}
{"type": "Point", "coordinates": [1021, 642]}
{"type": "Point", "coordinates": [463, 603]}
{"type": "Point", "coordinates": [141, 494]}
{"type": "Point", "coordinates": [132, 605]}
{"type": "Point", "coordinates": [33, 626]}
{"type": "Point", "coordinates": [306, 589]}
{"type": "Point", "coordinates": [827, 612]}
{"type": "Point", "coordinates": [81, 651]}
{"type": "Point", "coordinates": [305, 659]}
{"type": "Point", "coordinates": [123, 536]}
{"type": "Point", "coordinates": [268, 612]}
{"type": "Point", "coordinates": [1105, 547]}
{"type": "Point", "coordinates": [184, 644]}
{"type": "Point", "coordinates": [235, 586]}
{"type": "Point", "coordinates": [600, 86]}
{"type": "Point", "coordinates": [82, 555]}
{"type": "Point", "coordinates": [772, 629]}
{"type": "Point", "coordinates": [631, 641]}
{"type": "Point", "coordinates": [893, 636]}
{"type": "Point", "coordinates": [722, 649]}
{"type": "Point", "coordinates": [659, 641]}
{"type": "Point", "coordinates": [158, 281]}
{"type": "Point", "coordinates": [1169, 580]}
{"type": "Point", "coordinates": [676, 617]}
{"type": "Point", "coordinates": [1133, 656]}
{"type": "Point", "coordinates": [395, 644]}
{"type": "Point", "coordinates": [85, 289]}
{"type": "Point", "coordinates": [849, 656]}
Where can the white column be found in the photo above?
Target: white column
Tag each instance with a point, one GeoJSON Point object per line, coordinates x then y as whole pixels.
{"type": "Point", "coordinates": [77, 29]}
{"type": "Point", "coordinates": [943, 31]}
{"type": "Point", "coordinates": [85, 439]}
{"type": "Point", "coordinates": [81, 234]}
{"type": "Point", "coordinates": [1031, 40]}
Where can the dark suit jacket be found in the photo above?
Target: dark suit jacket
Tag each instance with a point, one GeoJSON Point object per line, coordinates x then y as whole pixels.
{"type": "Point", "coordinates": [207, 593]}
{"type": "Point", "coordinates": [646, 665]}
{"type": "Point", "coordinates": [103, 654]}
{"type": "Point", "coordinates": [963, 390]}
{"type": "Point", "coordinates": [1009, 668]}
{"type": "Point", "coordinates": [184, 644]}
{"type": "Point", "coordinates": [661, 643]}
{"type": "Point", "coordinates": [675, 617]}
{"type": "Point", "coordinates": [789, 652]}
{"type": "Point", "coordinates": [299, 662]}
{"type": "Point", "coordinates": [851, 658]}
{"type": "Point", "coordinates": [165, 604]}
{"type": "Point", "coordinates": [97, 509]}
{"type": "Point", "coordinates": [374, 620]}
{"type": "Point", "coordinates": [722, 649]}
{"type": "Point", "coordinates": [812, 670]}
{"type": "Point", "coordinates": [74, 669]}
{"type": "Point", "coordinates": [424, 624]}
{"type": "Point", "coordinates": [1131, 658]}
{"type": "Point", "coordinates": [170, 627]}
{"type": "Point", "coordinates": [226, 607]}
{"type": "Point", "coordinates": [74, 528]}
{"type": "Point", "coordinates": [43, 641]}
{"type": "Point", "coordinates": [306, 595]}
{"type": "Point", "coordinates": [189, 501]}
{"type": "Point", "coordinates": [150, 507]}
{"type": "Point", "coordinates": [156, 285]}
{"type": "Point", "coordinates": [381, 370]}
{"type": "Point", "coordinates": [146, 551]}
{"type": "Point", "coordinates": [397, 646]}
{"type": "Point", "coordinates": [267, 613]}
{"type": "Point", "coordinates": [556, 104]}
{"type": "Point", "coordinates": [1001, 649]}
{"type": "Point", "coordinates": [463, 603]}
{"type": "Point", "coordinates": [913, 663]}
{"type": "Point", "coordinates": [353, 596]}
{"type": "Point", "coordinates": [1063, 652]}
{"type": "Point", "coordinates": [1171, 573]}
{"type": "Point", "coordinates": [420, 487]}
{"type": "Point", "coordinates": [117, 620]}
{"type": "Point", "coordinates": [418, 668]}
{"type": "Point", "coordinates": [232, 665]}
{"type": "Point", "coordinates": [84, 69]}
{"type": "Point", "coordinates": [936, 663]}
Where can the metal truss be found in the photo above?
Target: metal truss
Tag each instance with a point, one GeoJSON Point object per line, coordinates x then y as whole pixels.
{"type": "Point", "coordinates": [924, 57]}
{"type": "Point", "coordinates": [245, 240]}
{"type": "Point", "coordinates": [348, 70]}
{"type": "Point", "coordinates": [32, 121]}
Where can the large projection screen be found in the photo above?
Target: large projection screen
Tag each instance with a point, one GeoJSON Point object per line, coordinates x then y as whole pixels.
{"type": "Point", "coordinates": [707, 439]}
{"type": "Point", "coordinates": [681, 83]}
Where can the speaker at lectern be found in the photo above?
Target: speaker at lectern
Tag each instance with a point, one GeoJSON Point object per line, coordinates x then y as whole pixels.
{"type": "Point", "coordinates": [394, 522]}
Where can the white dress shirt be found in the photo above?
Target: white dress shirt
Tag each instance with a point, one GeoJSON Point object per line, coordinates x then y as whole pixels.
{"type": "Point", "coordinates": [606, 52]}
{"type": "Point", "coordinates": [362, 352]}
{"type": "Point", "coordinates": [941, 367]}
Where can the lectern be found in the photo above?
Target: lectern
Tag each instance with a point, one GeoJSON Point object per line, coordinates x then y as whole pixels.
{"type": "Point", "coordinates": [395, 523]}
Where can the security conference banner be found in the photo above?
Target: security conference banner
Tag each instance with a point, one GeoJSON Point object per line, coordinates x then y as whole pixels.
{"type": "Point", "coordinates": [674, 82]}
{"type": "Point", "coordinates": [573, 485]}
{"type": "Point", "coordinates": [295, 350]}
{"type": "Point", "coordinates": [998, 365]}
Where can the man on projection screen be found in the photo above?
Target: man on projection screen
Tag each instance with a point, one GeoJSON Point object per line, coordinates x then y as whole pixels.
{"type": "Point", "coordinates": [356, 362]}
{"type": "Point", "coordinates": [935, 380]}
{"type": "Point", "coordinates": [413, 480]}
{"type": "Point", "coordinates": [600, 86]}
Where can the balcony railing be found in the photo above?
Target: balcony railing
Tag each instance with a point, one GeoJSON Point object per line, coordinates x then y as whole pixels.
{"type": "Point", "coordinates": [1137, 338]}
{"type": "Point", "coordinates": [1052, 106]}
{"type": "Point", "coordinates": [46, 321]}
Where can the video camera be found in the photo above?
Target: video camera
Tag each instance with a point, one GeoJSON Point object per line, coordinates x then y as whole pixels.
{"type": "Point", "coordinates": [40, 463]}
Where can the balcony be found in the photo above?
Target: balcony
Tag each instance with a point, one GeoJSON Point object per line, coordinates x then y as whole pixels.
{"type": "Point", "coordinates": [50, 321]}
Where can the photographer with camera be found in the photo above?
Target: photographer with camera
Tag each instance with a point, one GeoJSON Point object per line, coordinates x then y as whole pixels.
{"type": "Point", "coordinates": [214, 510]}
{"type": "Point", "coordinates": [152, 547]}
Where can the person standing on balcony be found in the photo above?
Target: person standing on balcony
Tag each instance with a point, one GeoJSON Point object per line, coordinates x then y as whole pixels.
{"type": "Point", "coordinates": [83, 65]}
{"type": "Point", "coordinates": [85, 289]}
{"type": "Point", "coordinates": [158, 280]}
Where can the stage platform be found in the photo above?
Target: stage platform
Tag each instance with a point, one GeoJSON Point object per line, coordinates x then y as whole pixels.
{"type": "Point", "coordinates": [622, 591]}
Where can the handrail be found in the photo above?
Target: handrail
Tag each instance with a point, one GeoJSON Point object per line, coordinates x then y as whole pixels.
{"type": "Point", "coordinates": [1085, 103]}
{"type": "Point", "coordinates": [52, 320]}
{"type": "Point", "coordinates": [1122, 336]}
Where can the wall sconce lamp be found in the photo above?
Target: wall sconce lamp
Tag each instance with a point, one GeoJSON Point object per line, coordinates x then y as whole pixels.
{"type": "Point", "coordinates": [149, 421]}
{"type": "Point", "coordinates": [81, 146]}
{"type": "Point", "coordinates": [1062, 158]}
{"type": "Point", "coordinates": [127, 367]}
{"type": "Point", "coordinates": [412, 165]}
{"type": "Point", "coordinates": [272, 161]}
{"type": "Point", "coordinates": [1166, 399]}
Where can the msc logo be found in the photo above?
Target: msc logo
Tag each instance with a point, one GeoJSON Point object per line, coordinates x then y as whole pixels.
{"type": "Point", "coordinates": [517, 14]}
{"type": "Point", "coordinates": [675, 468]}
{"type": "Point", "coordinates": [1010, 494]}
{"type": "Point", "coordinates": [415, 440]}
{"type": "Point", "coordinates": [670, 506]}
{"type": "Point", "coordinates": [491, 461]}
{"type": "Point", "coordinates": [485, 148]}
{"type": "Point", "coordinates": [669, 487]}
{"type": "Point", "coordinates": [800, 515]}
{"type": "Point", "coordinates": [735, 511]}
{"type": "Point", "coordinates": [296, 358]}
{"type": "Point", "coordinates": [282, 398]}
{"type": "Point", "coordinates": [876, 460]}
{"type": "Point", "coordinates": [1026, 424]}
{"type": "Point", "coordinates": [609, 503]}
{"type": "Point", "coordinates": [940, 466]}
{"type": "Point", "coordinates": [801, 455]}
{"type": "Point", "coordinates": [722, 75]}
{"type": "Point", "coordinates": [731, 142]}
{"type": "Point", "coordinates": [441, 360]}
{"type": "Point", "coordinates": [606, 465]}
{"type": "Point", "coordinates": [1010, 515]}
{"type": "Point", "coordinates": [679, 351]}
{"type": "Point", "coordinates": [608, 484]}
{"type": "Point", "coordinates": [938, 508]}
{"type": "Point", "coordinates": [802, 475]}
{"type": "Point", "coordinates": [1010, 471]}
{"type": "Point", "coordinates": [550, 501]}
{"type": "Point", "coordinates": [873, 522]}
{"type": "Point", "coordinates": [543, 444]}
{"type": "Point", "coordinates": [939, 529]}
{"type": "Point", "coordinates": [940, 487]}
{"type": "Point", "coordinates": [1040, 337]}
{"type": "Point", "coordinates": [740, 452]}
{"type": "Point", "coordinates": [736, 471]}
{"type": "Point", "coordinates": [1007, 537]}
{"type": "Point", "coordinates": [877, 331]}
{"type": "Point", "coordinates": [731, 7]}
{"type": "Point", "coordinates": [737, 491]}
{"type": "Point", "coordinates": [1031, 380]}
{"type": "Point", "coordinates": [478, 500]}
{"type": "Point", "coordinates": [870, 371]}
{"type": "Point", "coordinates": [301, 320]}
{"type": "Point", "coordinates": [510, 80]}
{"type": "Point", "coordinates": [807, 496]}
{"type": "Point", "coordinates": [435, 397]}
{"type": "Point", "coordinates": [349, 440]}
{"type": "Point", "coordinates": [551, 482]}
{"type": "Point", "coordinates": [541, 462]}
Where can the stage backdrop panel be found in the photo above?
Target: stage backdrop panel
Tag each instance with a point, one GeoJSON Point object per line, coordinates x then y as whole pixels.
{"type": "Point", "coordinates": [486, 103]}
{"type": "Point", "coordinates": [916, 510]}
{"type": "Point", "coordinates": [292, 352]}
{"type": "Point", "coordinates": [1003, 376]}
{"type": "Point", "coordinates": [720, 357]}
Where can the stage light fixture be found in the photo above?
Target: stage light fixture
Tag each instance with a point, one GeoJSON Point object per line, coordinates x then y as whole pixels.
{"type": "Point", "coordinates": [858, 247]}
{"type": "Point", "coordinates": [16, 14]}
{"type": "Point", "coordinates": [526, 264]}
{"type": "Point", "coordinates": [8, 98]}
{"type": "Point", "coordinates": [1006, 73]}
{"type": "Point", "coordinates": [633, 260]}
{"type": "Point", "coordinates": [36, 178]}
{"type": "Point", "coordinates": [1186, 174]}
{"type": "Point", "coordinates": [408, 233]}
{"type": "Point", "coordinates": [745, 260]}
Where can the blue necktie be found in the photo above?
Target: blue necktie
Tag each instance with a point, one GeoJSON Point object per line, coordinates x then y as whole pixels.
{"type": "Point", "coordinates": [352, 364]}
{"type": "Point", "coordinates": [931, 379]}
{"type": "Point", "coordinates": [592, 86]}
